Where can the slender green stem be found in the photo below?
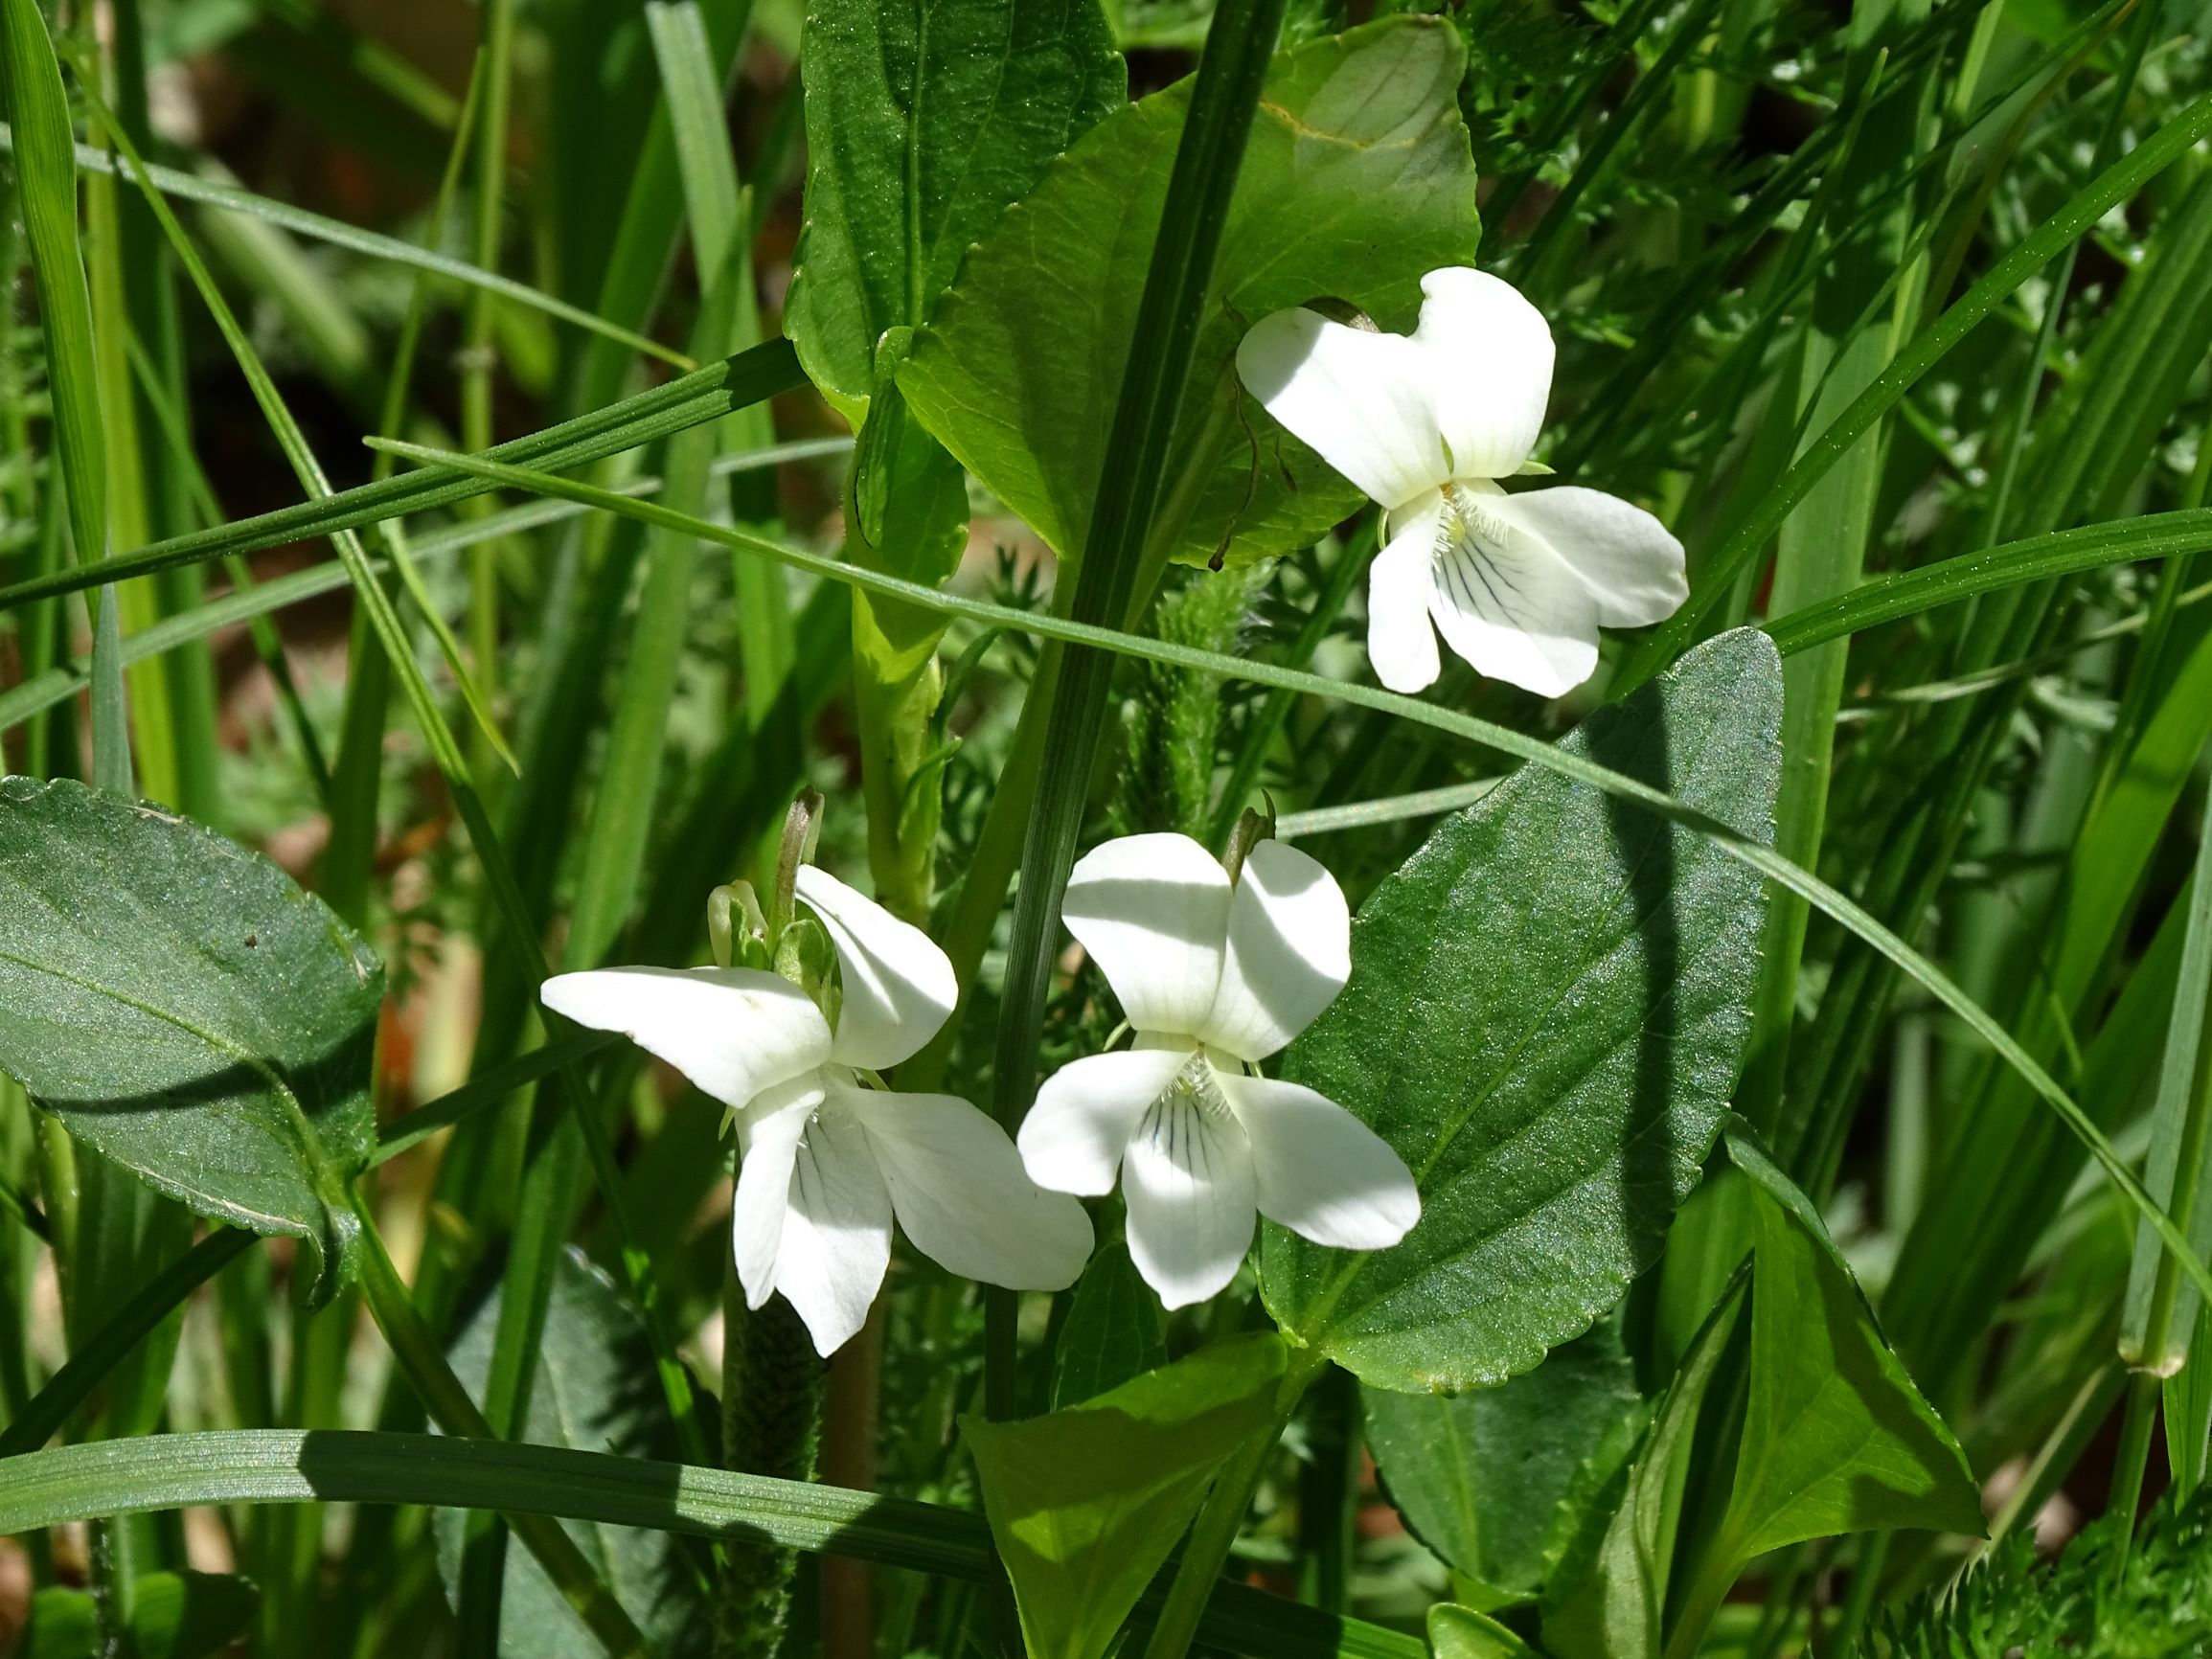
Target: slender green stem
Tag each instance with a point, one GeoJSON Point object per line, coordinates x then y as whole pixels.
{"type": "Point", "coordinates": [2130, 1461]}
{"type": "Point", "coordinates": [1239, 43]}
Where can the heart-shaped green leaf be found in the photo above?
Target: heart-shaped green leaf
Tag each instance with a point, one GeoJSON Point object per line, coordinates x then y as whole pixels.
{"type": "Point", "coordinates": [1086, 1503]}
{"type": "Point", "coordinates": [1498, 1481]}
{"type": "Point", "coordinates": [922, 123]}
{"type": "Point", "coordinates": [1547, 1010]}
{"type": "Point", "coordinates": [593, 1392]}
{"type": "Point", "coordinates": [183, 1006]}
{"type": "Point", "coordinates": [1355, 182]}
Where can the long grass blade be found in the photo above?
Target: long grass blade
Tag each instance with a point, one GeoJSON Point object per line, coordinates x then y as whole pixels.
{"type": "Point", "coordinates": [215, 193]}
{"type": "Point", "coordinates": [287, 1466]}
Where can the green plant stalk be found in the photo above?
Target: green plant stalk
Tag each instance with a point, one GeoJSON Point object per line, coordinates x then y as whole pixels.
{"type": "Point", "coordinates": [417, 1350]}
{"type": "Point", "coordinates": [1520, 745]}
{"type": "Point", "coordinates": [127, 523]}
{"type": "Point", "coordinates": [2129, 1458]}
{"type": "Point", "coordinates": [47, 180]}
{"type": "Point", "coordinates": [1239, 43]}
{"type": "Point", "coordinates": [2115, 185]}
{"type": "Point", "coordinates": [2157, 1317]}
{"type": "Point", "coordinates": [479, 357]}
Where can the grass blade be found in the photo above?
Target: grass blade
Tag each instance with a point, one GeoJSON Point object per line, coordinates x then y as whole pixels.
{"type": "Point", "coordinates": [338, 233]}
{"type": "Point", "coordinates": [289, 1465]}
{"type": "Point", "coordinates": [1718, 574]}
{"type": "Point", "coordinates": [704, 395]}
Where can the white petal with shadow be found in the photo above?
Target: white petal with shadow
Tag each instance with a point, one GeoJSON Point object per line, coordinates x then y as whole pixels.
{"type": "Point", "coordinates": [960, 1191]}
{"type": "Point", "coordinates": [1320, 1171]}
{"type": "Point", "coordinates": [768, 1133]}
{"type": "Point", "coordinates": [837, 1243]}
{"type": "Point", "coordinates": [1188, 1181]}
{"type": "Point", "coordinates": [1487, 352]}
{"type": "Point", "coordinates": [1508, 603]}
{"type": "Point", "coordinates": [1078, 1127]}
{"type": "Point", "coordinates": [732, 1031]}
{"type": "Point", "coordinates": [899, 988]}
{"type": "Point", "coordinates": [1361, 401]}
{"type": "Point", "coordinates": [1631, 562]}
{"type": "Point", "coordinates": [1154, 913]}
{"type": "Point", "coordinates": [1289, 952]}
{"type": "Point", "coordinates": [1401, 638]}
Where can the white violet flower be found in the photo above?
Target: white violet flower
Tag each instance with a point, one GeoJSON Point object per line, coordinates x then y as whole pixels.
{"type": "Point", "coordinates": [1213, 976]}
{"type": "Point", "coordinates": [1427, 423]}
{"type": "Point", "coordinates": [826, 1162]}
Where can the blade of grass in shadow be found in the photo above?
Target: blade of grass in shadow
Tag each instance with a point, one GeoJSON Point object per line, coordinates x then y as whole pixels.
{"type": "Point", "coordinates": [214, 193]}
{"type": "Point", "coordinates": [704, 395]}
{"type": "Point", "coordinates": [54, 687]}
{"type": "Point", "coordinates": [46, 177]}
{"type": "Point", "coordinates": [1501, 739]}
{"type": "Point", "coordinates": [285, 1465]}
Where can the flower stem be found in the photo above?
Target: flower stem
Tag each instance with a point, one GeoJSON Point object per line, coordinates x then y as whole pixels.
{"type": "Point", "coordinates": [772, 1425]}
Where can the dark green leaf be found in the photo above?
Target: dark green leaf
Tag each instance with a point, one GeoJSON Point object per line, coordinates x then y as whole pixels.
{"type": "Point", "coordinates": [185, 1008]}
{"type": "Point", "coordinates": [595, 1392]}
{"type": "Point", "coordinates": [175, 1616]}
{"type": "Point", "coordinates": [922, 123]}
{"type": "Point", "coordinates": [1607, 1605]}
{"type": "Point", "coordinates": [1018, 373]}
{"type": "Point", "coordinates": [1837, 1439]}
{"type": "Point", "coordinates": [1547, 1009]}
{"type": "Point", "coordinates": [1496, 1481]}
{"type": "Point", "coordinates": [1086, 1503]}
{"type": "Point", "coordinates": [1112, 1332]}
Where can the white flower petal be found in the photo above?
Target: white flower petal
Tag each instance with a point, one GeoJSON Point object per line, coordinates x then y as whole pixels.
{"type": "Point", "coordinates": [837, 1243]}
{"type": "Point", "coordinates": [1627, 558]}
{"type": "Point", "coordinates": [959, 1189]}
{"type": "Point", "coordinates": [1508, 605]}
{"type": "Point", "coordinates": [1153, 911]}
{"type": "Point", "coordinates": [1489, 357]}
{"type": "Point", "coordinates": [1401, 638]}
{"type": "Point", "coordinates": [1078, 1127]}
{"type": "Point", "coordinates": [732, 1031]}
{"type": "Point", "coordinates": [1289, 952]}
{"type": "Point", "coordinates": [899, 987]}
{"type": "Point", "coordinates": [1321, 1171]}
{"type": "Point", "coordinates": [1188, 1181]}
{"type": "Point", "coordinates": [1362, 400]}
{"type": "Point", "coordinates": [768, 1133]}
